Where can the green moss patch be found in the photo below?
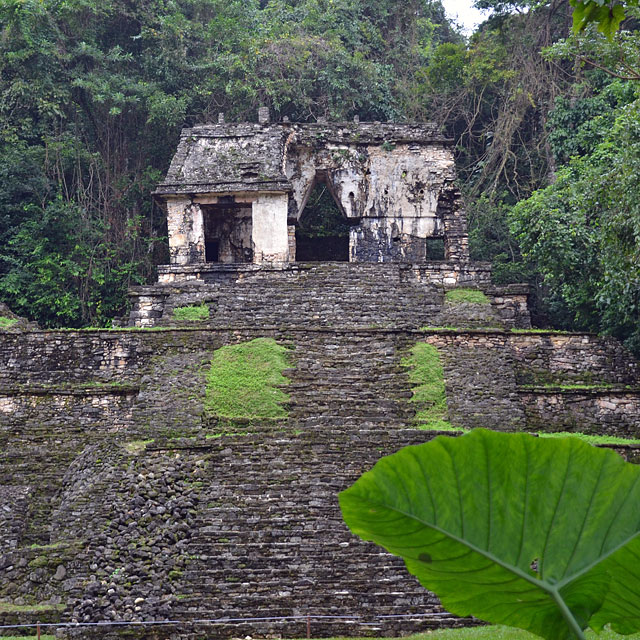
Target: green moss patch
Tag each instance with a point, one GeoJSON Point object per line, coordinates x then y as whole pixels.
{"type": "Point", "coordinates": [191, 313]}
{"type": "Point", "coordinates": [54, 546]}
{"type": "Point", "coordinates": [590, 438]}
{"type": "Point", "coordinates": [473, 296]}
{"type": "Point", "coordinates": [429, 394]}
{"type": "Point", "coordinates": [136, 446]}
{"type": "Point", "coordinates": [244, 380]}
{"type": "Point", "coordinates": [7, 607]}
{"type": "Point", "coordinates": [5, 322]}
{"type": "Point", "coordinates": [578, 386]}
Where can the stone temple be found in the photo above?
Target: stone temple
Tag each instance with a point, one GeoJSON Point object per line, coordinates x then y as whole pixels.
{"type": "Point", "coordinates": [235, 195]}
{"type": "Point", "coordinates": [127, 500]}
{"type": "Point", "coordinates": [235, 192]}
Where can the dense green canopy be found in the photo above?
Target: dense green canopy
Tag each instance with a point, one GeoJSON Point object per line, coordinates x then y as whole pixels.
{"type": "Point", "coordinates": [93, 96]}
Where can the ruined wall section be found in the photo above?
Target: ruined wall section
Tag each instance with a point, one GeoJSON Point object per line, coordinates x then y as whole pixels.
{"type": "Point", "coordinates": [540, 382]}
{"type": "Point", "coordinates": [548, 357]}
{"type": "Point", "coordinates": [394, 182]}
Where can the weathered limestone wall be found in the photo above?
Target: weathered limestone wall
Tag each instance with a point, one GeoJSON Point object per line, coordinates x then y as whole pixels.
{"type": "Point", "coordinates": [395, 182]}
{"type": "Point", "coordinates": [186, 231]}
{"type": "Point", "coordinates": [396, 190]}
{"type": "Point", "coordinates": [270, 230]}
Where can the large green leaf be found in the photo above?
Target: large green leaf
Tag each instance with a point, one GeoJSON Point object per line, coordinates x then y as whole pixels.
{"type": "Point", "coordinates": [541, 534]}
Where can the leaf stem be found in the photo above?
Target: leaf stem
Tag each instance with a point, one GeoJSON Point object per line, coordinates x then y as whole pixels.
{"type": "Point", "coordinates": [568, 616]}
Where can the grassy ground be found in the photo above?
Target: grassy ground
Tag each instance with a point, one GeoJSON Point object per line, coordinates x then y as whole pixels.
{"type": "Point", "coordinates": [591, 439]}
{"type": "Point", "coordinates": [457, 296]}
{"type": "Point", "coordinates": [496, 633]}
{"type": "Point", "coordinates": [476, 633]}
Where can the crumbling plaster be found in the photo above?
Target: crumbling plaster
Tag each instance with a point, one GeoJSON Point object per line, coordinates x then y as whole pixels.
{"type": "Point", "coordinates": [391, 180]}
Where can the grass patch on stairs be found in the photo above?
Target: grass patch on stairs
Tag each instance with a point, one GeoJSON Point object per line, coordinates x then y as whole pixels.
{"type": "Point", "coordinates": [191, 313]}
{"type": "Point", "coordinates": [470, 296]}
{"type": "Point", "coordinates": [244, 380]}
{"type": "Point", "coordinates": [591, 438]}
{"type": "Point", "coordinates": [429, 394]}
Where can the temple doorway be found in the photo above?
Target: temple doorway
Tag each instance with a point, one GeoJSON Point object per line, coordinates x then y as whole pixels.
{"type": "Point", "coordinates": [322, 234]}
{"type": "Point", "coordinates": [227, 232]}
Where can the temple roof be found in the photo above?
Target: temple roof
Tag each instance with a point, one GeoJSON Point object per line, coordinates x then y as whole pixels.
{"type": "Point", "coordinates": [228, 158]}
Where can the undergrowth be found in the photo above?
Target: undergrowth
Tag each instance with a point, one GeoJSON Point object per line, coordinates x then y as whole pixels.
{"type": "Point", "coordinates": [5, 322]}
{"type": "Point", "coordinates": [244, 380]}
{"type": "Point", "coordinates": [429, 394]}
{"type": "Point", "coordinates": [473, 296]}
{"type": "Point", "coordinates": [191, 313]}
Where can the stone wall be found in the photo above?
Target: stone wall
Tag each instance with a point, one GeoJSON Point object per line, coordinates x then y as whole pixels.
{"type": "Point", "coordinates": [609, 410]}
{"type": "Point", "coordinates": [329, 294]}
{"type": "Point", "coordinates": [122, 499]}
{"type": "Point", "coordinates": [548, 357]}
{"type": "Point", "coordinates": [540, 382]}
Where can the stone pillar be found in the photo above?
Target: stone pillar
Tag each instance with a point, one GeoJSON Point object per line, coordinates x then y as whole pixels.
{"type": "Point", "coordinates": [270, 233]}
{"type": "Point", "coordinates": [292, 242]}
{"type": "Point", "coordinates": [186, 231]}
{"type": "Point", "coordinates": [264, 117]}
{"type": "Point", "coordinates": [454, 225]}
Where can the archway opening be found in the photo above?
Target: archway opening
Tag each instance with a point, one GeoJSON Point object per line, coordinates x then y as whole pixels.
{"type": "Point", "coordinates": [322, 234]}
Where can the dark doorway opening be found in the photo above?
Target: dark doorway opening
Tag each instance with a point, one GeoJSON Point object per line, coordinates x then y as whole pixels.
{"type": "Point", "coordinates": [322, 234]}
{"type": "Point", "coordinates": [212, 250]}
{"type": "Point", "coordinates": [227, 232]}
{"type": "Point", "coordinates": [435, 248]}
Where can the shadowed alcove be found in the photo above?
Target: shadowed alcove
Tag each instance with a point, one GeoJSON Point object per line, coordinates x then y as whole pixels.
{"type": "Point", "coordinates": [227, 231]}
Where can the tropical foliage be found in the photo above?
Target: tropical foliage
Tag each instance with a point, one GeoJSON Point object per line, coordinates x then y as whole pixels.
{"type": "Point", "coordinates": [93, 96]}
{"type": "Point", "coordinates": [540, 534]}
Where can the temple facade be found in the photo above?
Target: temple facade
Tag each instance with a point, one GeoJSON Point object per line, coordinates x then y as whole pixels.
{"type": "Point", "coordinates": [235, 193]}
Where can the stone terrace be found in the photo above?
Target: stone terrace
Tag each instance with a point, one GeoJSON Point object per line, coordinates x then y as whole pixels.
{"type": "Point", "coordinates": [124, 500]}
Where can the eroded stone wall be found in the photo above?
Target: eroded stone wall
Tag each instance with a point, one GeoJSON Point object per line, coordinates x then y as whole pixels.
{"type": "Point", "coordinates": [122, 499]}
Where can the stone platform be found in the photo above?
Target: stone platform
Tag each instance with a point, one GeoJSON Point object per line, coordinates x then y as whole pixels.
{"type": "Point", "coordinates": [123, 500]}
